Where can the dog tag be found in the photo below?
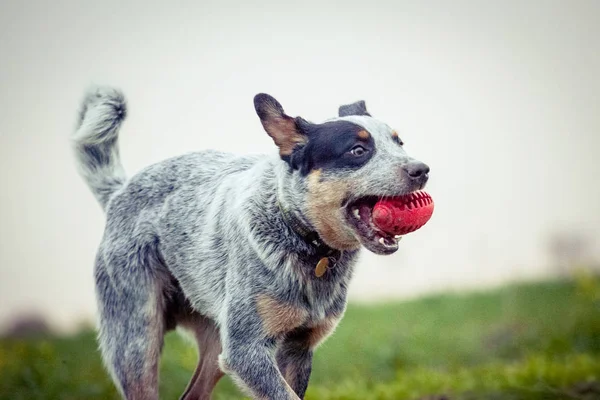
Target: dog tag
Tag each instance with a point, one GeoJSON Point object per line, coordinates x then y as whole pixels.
{"type": "Point", "coordinates": [322, 267]}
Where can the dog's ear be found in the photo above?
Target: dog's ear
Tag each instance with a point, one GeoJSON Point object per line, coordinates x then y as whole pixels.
{"type": "Point", "coordinates": [358, 108]}
{"type": "Point", "coordinates": [285, 131]}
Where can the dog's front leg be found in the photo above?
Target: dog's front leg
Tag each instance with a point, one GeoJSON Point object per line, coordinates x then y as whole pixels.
{"type": "Point", "coordinates": [248, 354]}
{"type": "Point", "coordinates": [252, 366]}
{"type": "Point", "coordinates": [294, 355]}
{"type": "Point", "coordinates": [294, 358]}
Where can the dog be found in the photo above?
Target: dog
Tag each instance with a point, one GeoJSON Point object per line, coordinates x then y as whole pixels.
{"type": "Point", "coordinates": [253, 255]}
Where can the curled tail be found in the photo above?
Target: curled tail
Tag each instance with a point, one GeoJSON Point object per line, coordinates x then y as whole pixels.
{"type": "Point", "coordinates": [96, 142]}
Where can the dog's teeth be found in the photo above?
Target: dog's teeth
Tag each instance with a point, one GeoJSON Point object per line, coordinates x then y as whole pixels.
{"type": "Point", "coordinates": [382, 241]}
{"type": "Point", "coordinates": [398, 237]}
{"type": "Point", "coordinates": [356, 213]}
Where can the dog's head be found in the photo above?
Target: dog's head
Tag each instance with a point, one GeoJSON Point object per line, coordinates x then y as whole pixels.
{"type": "Point", "coordinates": [343, 167]}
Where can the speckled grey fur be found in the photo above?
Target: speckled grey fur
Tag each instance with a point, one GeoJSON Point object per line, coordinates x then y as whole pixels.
{"type": "Point", "coordinates": [194, 240]}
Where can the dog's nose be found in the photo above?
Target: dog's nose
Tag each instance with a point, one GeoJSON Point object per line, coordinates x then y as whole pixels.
{"type": "Point", "coordinates": [416, 169]}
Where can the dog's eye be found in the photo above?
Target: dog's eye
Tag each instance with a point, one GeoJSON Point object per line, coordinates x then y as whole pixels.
{"type": "Point", "coordinates": [358, 150]}
{"type": "Point", "coordinates": [396, 138]}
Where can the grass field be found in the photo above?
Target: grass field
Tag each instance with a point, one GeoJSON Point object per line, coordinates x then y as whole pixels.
{"type": "Point", "coordinates": [535, 341]}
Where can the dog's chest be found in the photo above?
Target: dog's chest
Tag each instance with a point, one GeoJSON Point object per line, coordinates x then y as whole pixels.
{"type": "Point", "coordinates": [323, 302]}
{"type": "Point", "coordinates": [282, 317]}
{"type": "Point", "coordinates": [324, 293]}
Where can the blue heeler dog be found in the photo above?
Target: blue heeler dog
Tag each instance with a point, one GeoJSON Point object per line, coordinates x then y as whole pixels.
{"type": "Point", "coordinates": [253, 255]}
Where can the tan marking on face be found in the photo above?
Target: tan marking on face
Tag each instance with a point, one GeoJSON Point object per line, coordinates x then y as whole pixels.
{"type": "Point", "coordinates": [284, 133]}
{"type": "Point", "coordinates": [397, 138]}
{"type": "Point", "coordinates": [320, 332]}
{"type": "Point", "coordinates": [325, 211]}
{"type": "Point", "coordinates": [364, 135]}
{"type": "Point", "coordinates": [278, 317]}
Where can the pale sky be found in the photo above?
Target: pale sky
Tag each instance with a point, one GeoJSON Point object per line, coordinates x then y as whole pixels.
{"type": "Point", "coordinates": [501, 99]}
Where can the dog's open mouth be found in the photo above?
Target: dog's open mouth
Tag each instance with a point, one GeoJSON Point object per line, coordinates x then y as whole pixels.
{"type": "Point", "coordinates": [380, 222]}
{"type": "Point", "coordinates": [359, 214]}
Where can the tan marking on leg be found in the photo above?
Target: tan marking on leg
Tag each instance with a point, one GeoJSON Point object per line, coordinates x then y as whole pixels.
{"type": "Point", "coordinates": [320, 332]}
{"type": "Point", "coordinates": [325, 211]}
{"type": "Point", "coordinates": [278, 317]}
{"type": "Point", "coordinates": [364, 135]}
{"type": "Point", "coordinates": [291, 374]}
{"type": "Point", "coordinates": [207, 373]}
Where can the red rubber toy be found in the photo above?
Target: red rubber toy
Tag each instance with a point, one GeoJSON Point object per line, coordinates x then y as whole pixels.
{"type": "Point", "coordinates": [402, 215]}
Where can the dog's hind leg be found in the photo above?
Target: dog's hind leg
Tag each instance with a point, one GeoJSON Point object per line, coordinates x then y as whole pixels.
{"type": "Point", "coordinates": [132, 328]}
{"type": "Point", "coordinates": [207, 372]}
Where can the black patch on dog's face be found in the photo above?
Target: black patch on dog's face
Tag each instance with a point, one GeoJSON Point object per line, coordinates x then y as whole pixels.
{"type": "Point", "coordinates": [332, 145]}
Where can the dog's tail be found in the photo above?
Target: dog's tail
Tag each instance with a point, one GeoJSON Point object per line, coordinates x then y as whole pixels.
{"type": "Point", "coordinates": [96, 141]}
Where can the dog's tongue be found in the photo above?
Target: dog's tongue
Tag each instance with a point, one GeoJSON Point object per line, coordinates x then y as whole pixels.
{"type": "Point", "coordinates": [404, 214]}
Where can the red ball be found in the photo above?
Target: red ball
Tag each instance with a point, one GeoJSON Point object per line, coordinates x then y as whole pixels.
{"type": "Point", "coordinates": [404, 214]}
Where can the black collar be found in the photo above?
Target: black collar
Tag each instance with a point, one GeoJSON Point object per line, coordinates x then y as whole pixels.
{"type": "Point", "coordinates": [312, 238]}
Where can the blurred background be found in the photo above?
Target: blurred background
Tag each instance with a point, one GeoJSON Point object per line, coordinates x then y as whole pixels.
{"type": "Point", "coordinates": [501, 99]}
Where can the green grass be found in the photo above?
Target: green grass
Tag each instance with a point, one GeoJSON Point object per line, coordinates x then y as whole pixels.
{"type": "Point", "coordinates": [535, 341]}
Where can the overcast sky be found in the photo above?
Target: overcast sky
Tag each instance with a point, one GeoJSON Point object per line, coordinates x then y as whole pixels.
{"type": "Point", "coordinates": [501, 99]}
